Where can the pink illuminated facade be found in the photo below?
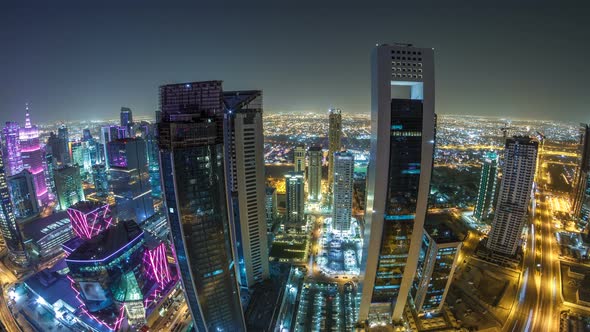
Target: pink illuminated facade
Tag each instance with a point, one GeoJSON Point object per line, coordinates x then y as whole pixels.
{"type": "Point", "coordinates": [33, 158]}
{"type": "Point", "coordinates": [156, 265]}
{"type": "Point", "coordinates": [90, 219]}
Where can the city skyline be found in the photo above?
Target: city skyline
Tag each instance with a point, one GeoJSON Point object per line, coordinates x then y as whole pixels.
{"type": "Point", "coordinates": [96, 69]}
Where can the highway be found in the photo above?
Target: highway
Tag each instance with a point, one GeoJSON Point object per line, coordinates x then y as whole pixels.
{"type": "Point", "coordinates": [537, 306]}
{"type": "Point", "coordinates": [6, 278]}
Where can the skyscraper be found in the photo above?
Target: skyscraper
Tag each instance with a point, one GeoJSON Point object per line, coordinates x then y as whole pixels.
{"type": "Point", "coordinates": [271, 207]}
{"type": "Point", "coordinates": [520, 161]}
{"type": "Point", "coordinates": [193, 168]}
{"type": "Point", "coordinates": [22, 194]}
{"type": "Point", "coordinates": [334, 141]}
{"type": "Point", "coordinates": [299, 158]}
{"type": "Point", "coordinates": [342, 191]}
{"type": "Point", "coordinates": [398, 183]}
{"type": "Point", "coordinates": [107, 134]}
{"type": "Point", "coordinates": [64, 140]}
{"type": "Point", "coordinates": [436, 266]}
{"type": "Point", "coordinates": [246, 148]}
{"type": "Point", "coordinates": [487, 187]}
{"type": "Point", "coordinates": [8, 227]}
{"type": "Point", "coordinates": [33, 158]}
{"type": "Point", "coordinates": [11, 148]}
{"type": "Point", "coordinates": [127, 121]}
{"type": "Point", "coordinates": [68, 186]}
{"type": "Point", "coordinates": [295, 197]}
{"type": "Point", "coordinates": [100, 179]}
{"type": "Point", "coordinates": [314, 173]}
{"type": "Point", "coordinates": [581, 189]}
{"type": "Point", "coordinates": [130, 179]}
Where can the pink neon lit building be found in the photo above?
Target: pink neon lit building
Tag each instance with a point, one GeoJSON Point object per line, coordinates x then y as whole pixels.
{"type": "Point", "coordinates": [11, 148]}
{"type": "Point", "coordinates": [156, 265]}
{"type": "Point", "coordinates": [90, 219]}
{"type": "Point", "coordinates": [33, 157]}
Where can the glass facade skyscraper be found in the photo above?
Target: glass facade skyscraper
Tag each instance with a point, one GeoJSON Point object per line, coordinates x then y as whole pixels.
{"type": "Point", "coordinates": [8, 227]}
{"type": "Point", "coordinates": [334, 141]}
{"type": "Point", "coordinates": [193, 168]}
{"type": "Point", "coordinates": [130, 179]}
{"type": "Point", "coordinates": [68, 185]}
{"type": "Point", "coordinates": [314, 173]}
{"type": "Point", "coordinates": [22, 194]}
{"type": "Point", "coordinates": [11, 148]}
{"type": "Point", "coordinates": [294, 185]}
{"type": "Point", "coordinates": [398, 184]}
{"type": "Point", "coordinates": [487, 187]}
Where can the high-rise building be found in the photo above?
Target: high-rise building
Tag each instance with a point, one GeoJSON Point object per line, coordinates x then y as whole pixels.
{"type": "Point", "coordinates": [127, 120]}
{"type": "Point", "coordinates": [100, 179]}
{"type": "Point", "coordinates": [246, 148]}
{"type": "Point", "coordinates": [271, 207]}
{"type": "Point", "coordinates": [294, 183]}
{"type": "Point", "coordinates": [49, 165]}
{"type": "Point", "coordinates": [107, 134]}
{"type": "Point", "coordinates": [193, 168]}
{"type": "Point", "coordinates": [520, 161]}
{"type": "Point", "coordinates": [22, 194]}
{"type": "Point", "coordinates": [487, 187]}
{"type": "Point", "coordinates": [8, 226]}
{"type": "Point", "coordinates": [64, 140]}
{"type": "Point", "coordinates": [398, 183]}
{"type": "Point", "coordinates": [68, 186]}
{"type": "Point", "coordinates": [33, 158]}
{"type": "Point", "coordinates": [130, 179]}
{"type": "Point", "coordinates": [299, 158]}
{"type": "Point", "coordinates": [314, 173]}
{"type": "Point", "coordinates": [342, 191]}
{"type": "Point", "coordinates": [436, 266]}
{"type": "Point", "coordinates": [581, 189]}
{"type": "Point", "coordinates": [334, 141]}
{"type": "Point", "coordinates": [11, 148]}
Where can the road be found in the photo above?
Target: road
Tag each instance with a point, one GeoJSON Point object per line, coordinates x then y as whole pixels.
{"type": "Point", "coordinates": [6, 278]}
{"type": "Point", "coordinates": [537, 303]}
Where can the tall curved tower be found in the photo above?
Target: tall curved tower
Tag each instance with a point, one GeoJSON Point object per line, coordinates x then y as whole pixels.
{"type": "Point", "coordinates": [33, 157]}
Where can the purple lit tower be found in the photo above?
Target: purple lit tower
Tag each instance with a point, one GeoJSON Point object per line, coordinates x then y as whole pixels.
{"type": "Point", "coordinates": [33, 157]}
{"type": "Point", "coordinates": [90, 219]}
{"type": "Point", "coordinates": [12, 148]}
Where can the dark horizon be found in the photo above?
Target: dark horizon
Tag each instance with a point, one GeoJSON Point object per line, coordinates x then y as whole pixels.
{"type": "Point", "coordinates": [75, 62]}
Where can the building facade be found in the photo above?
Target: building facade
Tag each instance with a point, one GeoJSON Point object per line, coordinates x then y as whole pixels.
{"type": "Point", "coordinates": [271, 207]}
{"type": "Point", "coordinates": [299, 158]}
{"type": "Point", "coordinates": [294, 185]}
{"type": "Point", "coordinates": [33, 157]}
{"type": "Point", "coordinates": [581, 188]}
{"type": "Point", "coordinates": [22, 194]}
{"type": "Point", "coordinates": [342, 191]}
{"type": "Point", "coordinates": [193, 169]}
{"type": "Point", "coordinates": [520, 163]}
{"type": "Point", "coordinates": [487, 187]}
{"type": "Point", "coordinates": [68, 186]}
{"type": "Point", "coordinates": [314, 174]}
{"type": "Point", "coordinates": [436, 267]}
{"type": "Point", "coordinates": [334, 141]}
{"type": "Point", "coordinates": [130, 179]}
{"type": "Point", "coordinates": [11, 149]}
{"type": "Point", "coordinates": [243, 111]}
{"type": "Point", "coordinates": [398, 183]}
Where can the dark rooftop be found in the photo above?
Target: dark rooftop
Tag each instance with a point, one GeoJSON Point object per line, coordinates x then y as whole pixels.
{"type": "Point", "coordinates": [40, 227]}
{"type": "Point", "coordinates": [107, 242]}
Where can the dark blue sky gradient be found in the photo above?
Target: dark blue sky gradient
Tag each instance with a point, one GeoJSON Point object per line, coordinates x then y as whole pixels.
{"type": "Point", "coordinates": [74, 61]}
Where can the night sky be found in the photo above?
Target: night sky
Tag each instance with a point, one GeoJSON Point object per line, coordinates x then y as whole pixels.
{"type": "Point", "coordinates": [76, 62]}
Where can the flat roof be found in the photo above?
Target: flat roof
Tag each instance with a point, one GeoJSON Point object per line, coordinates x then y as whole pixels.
{"type": "Point", "coordinates": [40, 227]}
{"type": "Point", "coordinates": [108, 242]}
